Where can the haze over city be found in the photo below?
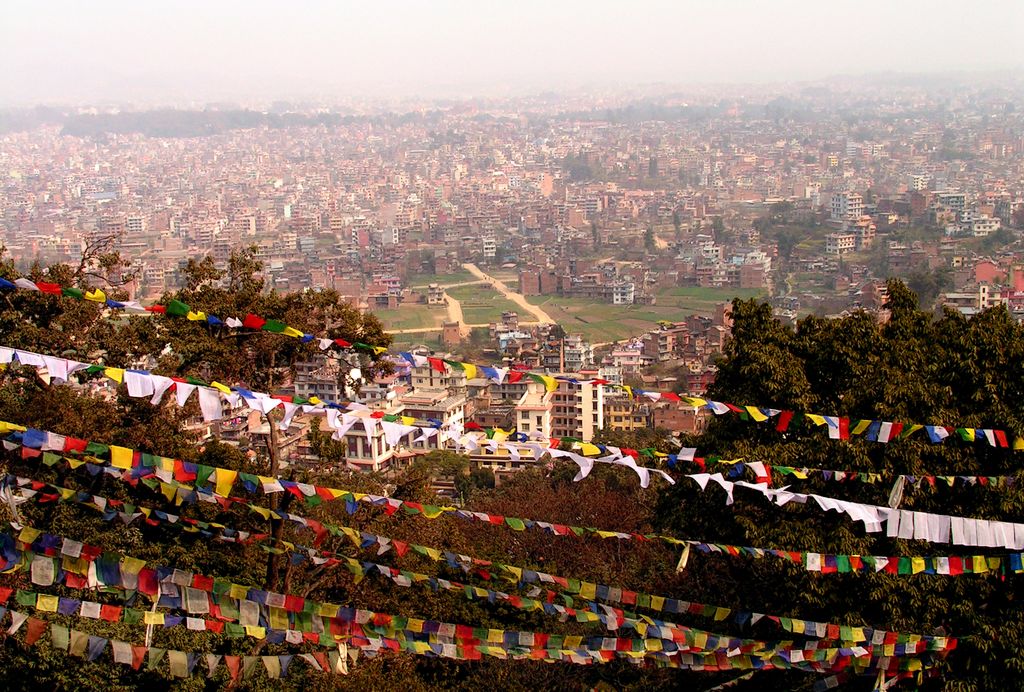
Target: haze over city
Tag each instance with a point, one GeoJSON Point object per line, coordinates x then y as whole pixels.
{"type": "Point", "coordinates": [191, 52]}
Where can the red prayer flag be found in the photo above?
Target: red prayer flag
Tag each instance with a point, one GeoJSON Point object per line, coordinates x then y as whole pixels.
{"type": "Point", "coordinates": [162, 309]}
{"type": "Point", "coordinates": [49, 288]}
{"type": "Point", "coordinates": [252, 321]}
{"type": "Point", "coordinates": [232, 663]}
{"type": "Point", "coordinates": [138, 656]}
{"type": "Point", "coordinates": [437, 364]}
{"type": "Point", "coordinates": [110, 613]}
{"type": "Point", "coordinates": [784, 419]}
{"type": "Point", "coordinates": [1001, 438]}
{"type": "Point", "coordinates": [35, 630]}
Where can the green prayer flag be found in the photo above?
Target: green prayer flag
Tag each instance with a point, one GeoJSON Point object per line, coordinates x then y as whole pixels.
{"type": "Point", "coordinates": [155, 656]}
{"type": "Point", "coordinates": [178, 309]}
{"type": "Point", "coordinates": [203, 474]}
{"type": "Point", "coordinates": [274, 326]}
{"type": "Point", "coordinates": [515, 523]}
{"type": "Point", "coordinates": [72, 292]}
{"type": "Point", "coordinates": [60, 636]}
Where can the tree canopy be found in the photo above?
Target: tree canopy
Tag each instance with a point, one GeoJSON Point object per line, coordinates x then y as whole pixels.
{"type": "Point", "coordinates": [912, 366]}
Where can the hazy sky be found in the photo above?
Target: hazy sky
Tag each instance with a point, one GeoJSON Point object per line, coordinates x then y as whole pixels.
{"type": "Point", "coordinates": [180, 50]}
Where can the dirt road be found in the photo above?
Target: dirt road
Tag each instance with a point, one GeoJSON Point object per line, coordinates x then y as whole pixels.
{"type": "Point", "coordinates": [538, 314]}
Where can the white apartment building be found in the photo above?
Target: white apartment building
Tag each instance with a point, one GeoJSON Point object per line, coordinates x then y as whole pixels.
{"type": "Point", "coordinates": [840, 243]}
{"type": "Point", "coordinates": [847, 207]}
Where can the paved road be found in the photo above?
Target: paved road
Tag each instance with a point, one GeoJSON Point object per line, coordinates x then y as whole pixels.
{"type": "Point", "coordinates": [538, 314]}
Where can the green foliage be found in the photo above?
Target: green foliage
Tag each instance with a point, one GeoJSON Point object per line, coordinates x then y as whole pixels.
{"type": "Point", "coordinates": [913, 368]}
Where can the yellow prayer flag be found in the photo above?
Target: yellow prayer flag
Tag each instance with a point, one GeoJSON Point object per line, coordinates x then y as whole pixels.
{"type": "Point", "coordinates": [589, 450]}
{"type": "Point", "coordinates": [225, 479]}
{"type": "Point", "coordinates": [256, 631]}
{"type": "Point", "coordinates": [262, 511]}
{"type": "Point", "coordinates": [588, 590]}
{"type": "Point", "coordinates": [293, 332]}
{"type": "Point", "coordinates": [47, 604]}
{"type": "Point", "coordinates": [470, 370]}
{"type": "Point", "coordinates": [329, 610]}
{"type": "Point", "coordinates": [238, 591]}
{"type": "Point", "coordinates": [572, 642]}
{"type": "Point", "coordinates": [815, 418]}
{"type": "Point", "coordinates": [75, 565]}
{"type": "Point", "coordinates": [96, 296]}
{"type": "Point", "coordinates": [153, 617]}
{"type": "Point", "coordinates": [496, 636]}
{"type": "Point", "coordinates": [29, 535]}
{"type": "Point", "coordinates": [756, 414]}
{"type": "Point", "coordinates": [414, 625]}
{"type": "Point", "coordinates": [657, 602]}
{"type": "Point", "coordinates": [115, 374]}
{"type": "Point", "coordinates": [652, 644]}
{"type": "Point", "coordinates": [198, 316]}
{"type": "Point", "coordinates": [278, 618]}
{"type": "Point", "coordinates": [132, 565]}
{"type": "Point", "coordinates": [860, 427]}
{"type": "Point", "coordinates": [6, 427]}
{"type": "Point", "coordinates": [120, 457]}
{"type": "Point", "coordinates": [315, 400]}
{"type": "Point", "coordinates": [221, 387]}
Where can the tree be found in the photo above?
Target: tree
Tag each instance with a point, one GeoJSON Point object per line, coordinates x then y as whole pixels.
{"type": "Point", "coordinates": [649, 242]}
{"type": "Point", "coordinates": [717, 227]}
{"type": "Point", "coordinates": [914, 367]}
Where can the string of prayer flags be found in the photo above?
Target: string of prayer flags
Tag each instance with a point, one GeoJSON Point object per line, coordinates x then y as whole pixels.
{"type": "Point", "coordinates": [180, 664]}
{"type": "Point", "coordinates": [838, 427]}
{"type": "Point", "coordinates": [176, 308]}
{"type": "Point", "coordinates": [762, 471]}
{"type": "Point", "coordinates": [484, 569]}
{"type": "Point", "coordinates": [163, 470]}
{"type": "Point", "coordinates": [215, 398]}
{"type": "Point", "coordinates": [148, 580]}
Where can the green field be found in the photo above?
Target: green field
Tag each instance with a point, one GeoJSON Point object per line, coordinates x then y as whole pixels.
{"type": "Point", "coordinates": [482, 304]}
{"type": "Point", "coordinates": [412, 316]}
{"type": "Point", "coordinates": [600, 322]}
{"type": "Point", "coordinates": [442, 279]}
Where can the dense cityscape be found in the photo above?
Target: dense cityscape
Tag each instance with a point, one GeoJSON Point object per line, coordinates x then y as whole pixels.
{"type": "Point", "coordinates": [612, 239]}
